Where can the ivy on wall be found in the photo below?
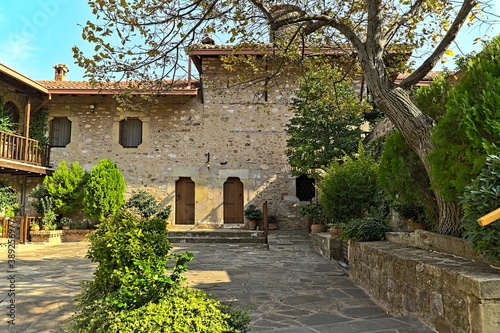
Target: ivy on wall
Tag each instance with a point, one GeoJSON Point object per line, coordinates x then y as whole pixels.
{"type": "Point", "coordinates": [39, 126]}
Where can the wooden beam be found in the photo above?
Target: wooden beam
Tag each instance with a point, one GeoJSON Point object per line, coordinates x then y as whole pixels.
{"type": "Point", "coordinates": [489, 218]}
{"type": "Point", "coordinates": [27, 128]}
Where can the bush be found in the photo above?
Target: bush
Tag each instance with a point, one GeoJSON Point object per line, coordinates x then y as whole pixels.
{"type": "Point", "coordinates": [365, 229]}
{"type": "Point", "coordinates": [8, 200]}
{"type": "Point", "coordinates": [470, 129]}
{"type": "Point", "coordinates": [347, 191]}
{"type": "Point", "coordinates": [404, 178]}
{"type": "Point", "coordinates": [145, 204]}
{"type": "Point", "coordinates": [182, 310]}
{"type": "Point", "coordinates": [38, 193]}
{"type": "Point", "coordinates": [480, 198]}
{"type": "Point", "coordinates": [65, 187]}
{"type": "Point", "coordinates": [104, 191]}
{"type": "Point", "coordinates": [133, 289]}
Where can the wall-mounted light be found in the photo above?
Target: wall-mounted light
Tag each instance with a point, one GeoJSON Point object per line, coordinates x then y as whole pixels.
{"type": "Point", "coordinates": [207, 163]}
{"type": "Point", "coordinates": [92, 107]}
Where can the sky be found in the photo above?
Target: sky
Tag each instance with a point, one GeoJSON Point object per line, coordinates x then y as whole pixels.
{"type": "Point", "coordinates": [38, 34]}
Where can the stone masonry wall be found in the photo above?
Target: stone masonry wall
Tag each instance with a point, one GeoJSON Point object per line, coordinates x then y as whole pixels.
{"type": "Point", "coordinates": [244, 138]}
{"type": "Point", "coordinates": [451, 294]}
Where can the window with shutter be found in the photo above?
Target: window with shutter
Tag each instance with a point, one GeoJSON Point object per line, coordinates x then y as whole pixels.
{"type": "Point", "coordinates": [60, 132]}
{"type": "Point", "coordinates": [130, 133]}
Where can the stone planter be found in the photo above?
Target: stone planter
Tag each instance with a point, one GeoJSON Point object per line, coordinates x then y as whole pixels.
{"type": "Point", "coordinates": [46, 236]}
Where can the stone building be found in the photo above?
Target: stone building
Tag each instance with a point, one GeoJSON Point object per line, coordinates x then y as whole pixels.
{"type": "Point", "coordinates": [206, 148]}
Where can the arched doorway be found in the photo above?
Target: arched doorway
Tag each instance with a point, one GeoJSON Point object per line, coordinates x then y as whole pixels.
{"type": "Point", "coordinates": [184, 201]}
{"type": "Point", "coordinates": [11, 110]}
{"type": "Point", "coordinates": [233, 200]}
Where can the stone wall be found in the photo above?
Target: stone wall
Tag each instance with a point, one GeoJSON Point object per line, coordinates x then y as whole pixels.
{"type": "Point", "coordinates": [451, 294]}
{"type": "Point", "coordinates": [243, 136]}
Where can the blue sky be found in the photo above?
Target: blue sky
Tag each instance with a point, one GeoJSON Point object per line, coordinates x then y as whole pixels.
{"type": "Point", "coordinates": [38, 34]}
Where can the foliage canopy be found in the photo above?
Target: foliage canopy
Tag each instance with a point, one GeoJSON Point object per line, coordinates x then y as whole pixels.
{"type": "Point", "coordinates": [326, 122]}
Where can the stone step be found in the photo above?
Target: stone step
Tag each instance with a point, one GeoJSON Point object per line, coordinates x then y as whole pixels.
{"type": "Point", "coordinates": [216, 236]}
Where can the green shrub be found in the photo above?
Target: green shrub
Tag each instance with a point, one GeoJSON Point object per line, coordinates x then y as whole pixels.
{"type": "Point", "coordinates": [8, 200]}
{"type": "Point", "coordinates": [481, 198]}
{"type": "Point", "coordinates": [470, 129]}
{"type": "Point", "coordinates": [314, 211]}
{"type": "Point", "coordinates": [365, 229]}
{"type": "Point", "coordinates": [104, 191]}
{"type": "Point", "coordinates": [38, 193]}
{"type": "Point", "coordinates": [145, 204]}
{"type": "Point", "coordinates": [65, 187]}
{"type": "Point", "coordinates": [133, 289]}
{"type": "Point", "coordinates": [347, 191]}
{"type": "Point", "coordinates": [404, 178]}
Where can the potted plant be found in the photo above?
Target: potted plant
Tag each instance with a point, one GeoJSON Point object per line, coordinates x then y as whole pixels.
{"type": "Point", "coordinates": [335, 229]}
{"type": "Point", "coordinates": [317, 218]}
{"type": "Point", "coordinates": [413, 213]}
{"type": "Point", "coordinates": [34, 226]}
{"type": "Point", "coordinates": [272, 222]}
{"type": "Point", "coordinates": [66, 223]}
{"type": "Point", "coordinates": [253, 215]}
{"type": "Point", "coordinates": [49, 216]}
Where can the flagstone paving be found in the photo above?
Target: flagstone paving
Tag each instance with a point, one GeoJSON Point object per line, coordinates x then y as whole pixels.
{"type": "Point", "coordinates": [287, 289]}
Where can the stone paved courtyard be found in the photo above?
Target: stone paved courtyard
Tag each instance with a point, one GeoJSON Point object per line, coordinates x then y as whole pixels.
{"type": "Point", "coordinates": [289, 288]}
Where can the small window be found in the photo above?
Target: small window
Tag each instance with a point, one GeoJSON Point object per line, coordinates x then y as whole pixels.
{"type": "Point", "coordinates": [305, 188]}
{"type": "Point", "coordinates": [60, 132]}
{"type": "Point", "coordinates": [11, 110]}
{"type": "Point", "coordinates": [131, 133]}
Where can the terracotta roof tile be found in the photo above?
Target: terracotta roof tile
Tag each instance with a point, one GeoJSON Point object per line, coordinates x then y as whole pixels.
{"type": "Point", "coordinates": [181, 87]}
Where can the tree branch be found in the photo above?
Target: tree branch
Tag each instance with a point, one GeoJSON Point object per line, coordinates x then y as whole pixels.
{"type": "Point", "coordinates": [450, 36]}
{"type": "Point", "coordinates": [392, 30]}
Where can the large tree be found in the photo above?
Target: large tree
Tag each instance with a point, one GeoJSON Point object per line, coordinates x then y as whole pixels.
{"type": "Point", "coordinates": [151, 35]}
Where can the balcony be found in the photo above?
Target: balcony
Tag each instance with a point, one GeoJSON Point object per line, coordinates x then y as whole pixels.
{"type": "Point", "coordinates": [19, 155]}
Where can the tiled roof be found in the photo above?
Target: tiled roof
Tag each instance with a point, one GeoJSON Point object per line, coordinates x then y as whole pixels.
{"type": "Point", "coordinates": [426, 80]}
{"type": "Point", "coordinates": [181, 87]}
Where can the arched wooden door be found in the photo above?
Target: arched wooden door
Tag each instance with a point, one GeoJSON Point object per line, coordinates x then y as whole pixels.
{"type": "Point", "coordinates": [233, 200]}
{"type": "Point", "coordinates": [184, 201]}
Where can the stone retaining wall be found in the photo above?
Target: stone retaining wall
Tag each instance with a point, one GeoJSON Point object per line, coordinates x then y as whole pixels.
{"type": "Point", "coordinates": [328, 246]}
{"type": "Point", "coordinates": [450, 293]}
{"type": "Point", "coordinates": [75, 235]}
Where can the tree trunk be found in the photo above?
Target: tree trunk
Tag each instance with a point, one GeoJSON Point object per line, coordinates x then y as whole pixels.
{"type": "Point", "coordinates": [415, 127]}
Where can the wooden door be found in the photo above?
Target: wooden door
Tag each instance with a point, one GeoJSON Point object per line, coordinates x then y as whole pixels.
{"type": "Point", "coordinates": [184, 201]}
{"type": "Point", "coordinates": [233, 200]}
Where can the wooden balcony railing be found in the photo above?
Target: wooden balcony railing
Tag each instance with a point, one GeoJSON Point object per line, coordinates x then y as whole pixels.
{"type": "Point", "coordinates": [17, 148]}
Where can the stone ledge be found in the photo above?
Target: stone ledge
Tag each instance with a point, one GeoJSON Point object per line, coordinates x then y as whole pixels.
{"type": "Point", "coordinates": [427, 240]}
{"type": "Point", "coordinates": [449, 293]}
{"type": "Point", "coordinates": [328, 246]}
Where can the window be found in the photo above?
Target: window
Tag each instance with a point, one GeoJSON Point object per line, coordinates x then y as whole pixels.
{"type": "Point", "coordinates": [305, 188]}
{"type": "Point", "coordinates": [130, 133]}
{"type": "Point", "coordinates": [60, 132]}
{"type": "Point", "coordinates": [11, 110]}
